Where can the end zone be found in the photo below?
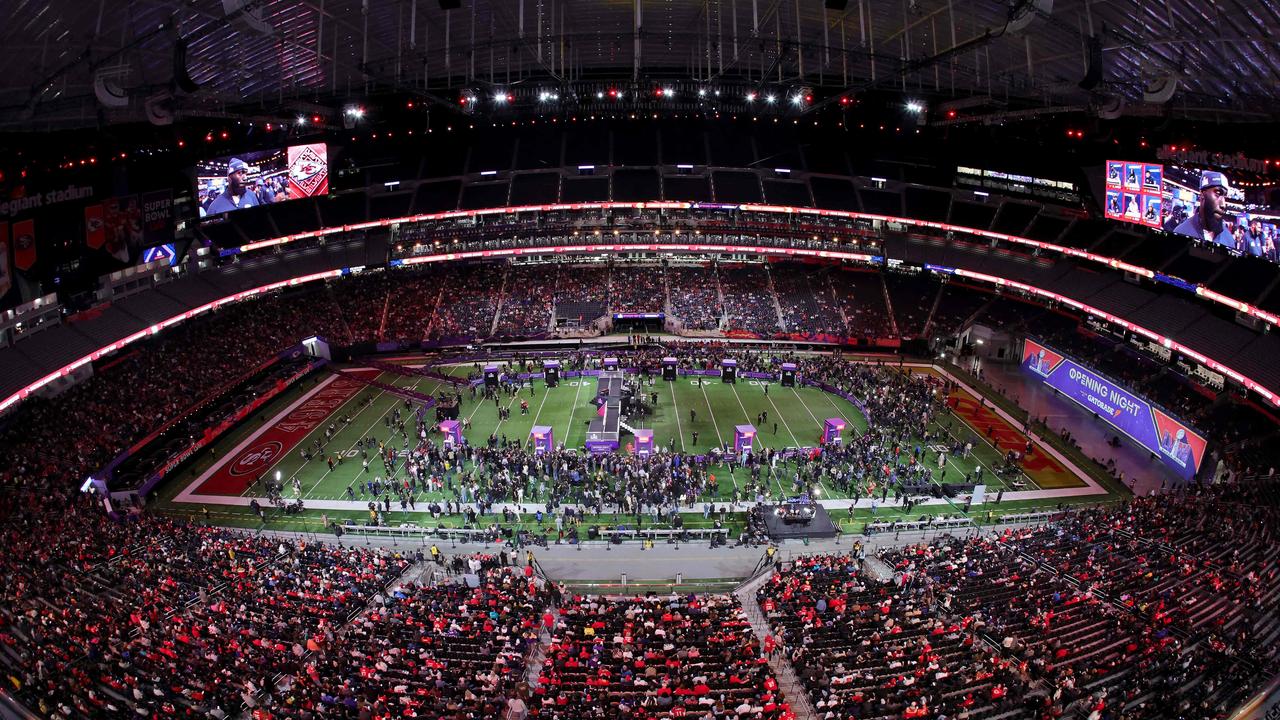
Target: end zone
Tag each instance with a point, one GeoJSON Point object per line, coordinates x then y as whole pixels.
{"type": "Point", "coordinates": [257, 454]}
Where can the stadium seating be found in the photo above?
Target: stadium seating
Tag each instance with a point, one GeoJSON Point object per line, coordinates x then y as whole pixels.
{"type": "Point", "coordinates": [693, 656]}
{"type": "Point", "coordinates": [862, 300]}
{"type": "Point", "coordinates": [749, 301]}
{"type": "Point", "coordinates": [153, 616]}
{"type": "Point", "coordinates": [527, 301]}
{"type": "Point", "coordinates": [1149, 611]}
{"type": "Point", "coordinates": [427, 652]}
{"type": "Point", "coordinates": [636, 289]}
{"type": "Point", "coordinates": [913, 298]}
{"type": "Point", "coordinates": [695, 297]}
{"type": "Point", "coordinates": [807, 301]}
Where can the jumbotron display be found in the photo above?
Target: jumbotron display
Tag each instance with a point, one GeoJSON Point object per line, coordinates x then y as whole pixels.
{"type": "Point", "coordinates": [1206, 205]}
{"type": "Point", "coordinates": [253, 179]}
{"type": "Point", "coordinates": [1177, 445]}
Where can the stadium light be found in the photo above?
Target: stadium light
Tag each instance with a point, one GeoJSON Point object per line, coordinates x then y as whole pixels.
{"type": "Point", "coordinates": [302, 119]}
{"type": "Point", "coordinates": [355, 111]}
{"type": "Point", "coordinates": [702, 92]}
{"type": "Point", "coordinates": [797, 99]}
{"type": "Point", "coordinates": [751, 96]}
{"type": "Point", "coordinates": [668, 93]}
{"type": "Point", "coordinates": [500, 97]}
{"type": "Point", "coordinates": [769, 99]}
{"type": "Point", "coordinates": [915, 107]}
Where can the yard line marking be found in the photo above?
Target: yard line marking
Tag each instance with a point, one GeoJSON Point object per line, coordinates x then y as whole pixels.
{"type": "Point", "coordinates": [711, 412]}
{"type": "Point", "coordinates": [395, 403]}
{"type": "Point", "coordinates": [573, 409]}
{"type": "Point", "coordinates": [544, 401]}
{"type": "Point", "coordinates": [676, 408]}
{"type": "Point", "coordinates": [784, 417]}
{"type": "Point", "coordinates": [304, 442]}
{"type": "Point", "coordinates": [509, 406]}
{"type": "Point", "coordinates": [806, 405]}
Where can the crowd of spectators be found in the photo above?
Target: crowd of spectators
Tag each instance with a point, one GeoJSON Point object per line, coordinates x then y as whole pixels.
{"type": "Point", "coordinates": [864, 648]}
{"type": "Point", "coordinates": [750, 303]}
{"type": "Point", "coordinates": [637, 289]}
{"type": "Point", "coordinates": [363, 302]}
{"type": "Point", "coordinates": [468, 302]}
{"type": "Point", "coordinates": [807, 301]}
{"type": "Point", "coordinates": [583, 284]}
{"type": "Point", "coordinates": [528, 300]}
{"type": "Point", "coordinates": [64, 439]}
{"type": "Point", "coordinates": [410, 305]}
{"type": "Point", "coordinates": [695, 297]}
{"type": "Point", "coordinates": [913, 298]}
{"type": "Point", "coordinates": [452, 652]}
{"type": "Point", "coordinates": [690, 656]}
{"type": "Point", "coordinates": [1151, 610]}
{"type": "Point", "coordinates": [153, 617]}
{"type": "Point", "coordinates": [582, 296]}
{"type": "Point", "coordinates": [861, 297]}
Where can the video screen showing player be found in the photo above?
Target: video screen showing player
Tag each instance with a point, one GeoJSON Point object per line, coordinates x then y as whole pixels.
{"type": "Point", "coordinates": [1132, 209]}
{"type": "Point", "coordinates": [1115, 172]}
{"type": "Point", "coordinates": [1151, 210]}
{"type": "Point", "coordinates": [1153, 178]}
{"type": "Point", "coordinates": [1113, 203]}
{"type": "Point", "coordinates": [1210, 221]}
{"type": "Point", "coordinates": [262, 177]}
{"type": "Point", "coordinates": [1133, 174]}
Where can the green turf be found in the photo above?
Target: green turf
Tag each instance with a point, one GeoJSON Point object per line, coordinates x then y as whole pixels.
{"type": "Point", "coordinates": [717, 407]}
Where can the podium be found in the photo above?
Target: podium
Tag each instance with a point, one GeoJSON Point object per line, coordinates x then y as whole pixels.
{"type": "Point", "coordinates": [491, 375]}
{"type": "Point", "coordinates": [644, 442]}
{"type": "Point", "coordinates": [729, 370]}
{"type": "Point", "coordinates": [551, 372]}
{"type": "Point", "coordinates": [743, 438]}
{"type": "Point", "coordinates": [669, 368]}
{"type": "Point", "coordinates": [543, 439]}
{"type": "Point", "coordinates": [452, 430]}
{"type": "Point", "coordinates": [788, 378]}
{"type": "Point", "coordinates": [831, 429]}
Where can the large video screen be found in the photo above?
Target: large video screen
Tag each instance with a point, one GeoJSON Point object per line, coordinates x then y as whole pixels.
{"type": "Point", "coordinates": [1135, 192]}
{"type": "Point", "coordinates": [1206, 205]}
{"type": "Point", "coordinates": [1175, 443]}
{"type": "Point", "coordinates": [261, 177]}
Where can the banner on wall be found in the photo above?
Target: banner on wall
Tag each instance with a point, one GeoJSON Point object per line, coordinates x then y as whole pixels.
{"type": "Point", "coordinates": [1166, 437]}
{"type": "Point", "coordinates": [157, 218]}
{"type": "Point", "coordinates": [123, 226]}
{"type": "Point", "coordinates": [6, 281]}
{"type": "Point", "coordinates": [122, 222]}
{"type": "Point", "coordinates": [95, 233]}
{"type": "Point", "coordinates": [24, 244]}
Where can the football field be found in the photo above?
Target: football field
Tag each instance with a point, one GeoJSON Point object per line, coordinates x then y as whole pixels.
{"type": "Point", "coordinates": [692, 415]}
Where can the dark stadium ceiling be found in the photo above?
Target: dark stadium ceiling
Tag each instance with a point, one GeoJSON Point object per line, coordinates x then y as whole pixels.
{"type": "Point", "coordinates": [1220, 58]}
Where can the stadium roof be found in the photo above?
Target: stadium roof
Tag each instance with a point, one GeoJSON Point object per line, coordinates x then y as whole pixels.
{"type": "Point", "coordinates": [1220, 57]}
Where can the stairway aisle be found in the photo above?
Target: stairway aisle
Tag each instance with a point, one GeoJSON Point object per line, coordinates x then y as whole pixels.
{"type": "Point", "coordinates": [888, 304]}
{"type": "Point", "coordinates": [792, 691]}
{"type": "Point", "coordinates": [538, 656]}
{"type": "Point", "coordinates": [777, 302]}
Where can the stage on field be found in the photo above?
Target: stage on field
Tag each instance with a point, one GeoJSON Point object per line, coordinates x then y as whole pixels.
{"type": "Point", "coordinates": [819, 526]}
